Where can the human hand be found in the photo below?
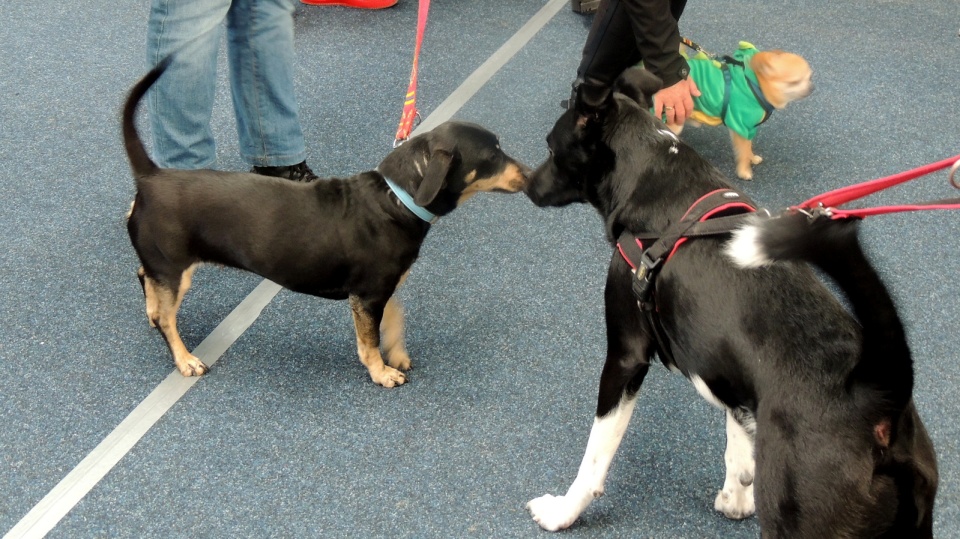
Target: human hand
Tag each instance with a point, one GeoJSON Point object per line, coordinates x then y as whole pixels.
{"type": "Point", "coordinates": [676, 102]}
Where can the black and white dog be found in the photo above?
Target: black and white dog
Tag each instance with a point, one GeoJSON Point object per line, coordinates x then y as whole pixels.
{"type": "Point", "coordinates": [823, 439]}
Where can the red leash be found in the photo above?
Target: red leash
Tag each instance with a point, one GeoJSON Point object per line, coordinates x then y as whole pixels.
{"type": "Point", "coordinates": [410, 103]}
{"type": "Point", "coordinates": [831, 199]}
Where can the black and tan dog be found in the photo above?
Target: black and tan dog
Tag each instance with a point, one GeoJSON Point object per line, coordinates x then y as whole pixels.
{"type": "Point", "coordinates": [336, 238]}
{"type": "Point", "coordinates": [819, 406]}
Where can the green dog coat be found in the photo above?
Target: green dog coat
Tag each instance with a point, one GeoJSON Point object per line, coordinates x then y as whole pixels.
{"type": "Point", "coordinates": [730, 93]}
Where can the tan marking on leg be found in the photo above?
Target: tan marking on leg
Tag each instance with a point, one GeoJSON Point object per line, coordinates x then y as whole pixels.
{"type": "Point", "coordinates": [187, 363]}
{"type": "Point", "coordinates": [743, 152]}
{"type": "Point", "coordinates": [368, 347]}
{"type": "Point", "coordinates": [150, 295]}
{"type": "Point", "coordinates": [393, 342]}
{"type": "Point", "coordinates": [185, 281]}
{"type": "Point", "coordinates": [130, 211]}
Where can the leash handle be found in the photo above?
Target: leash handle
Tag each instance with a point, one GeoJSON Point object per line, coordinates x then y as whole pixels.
{"type": "Point", "coordinates": [410, 112]}
{"type": "Point", "coordinates": [843, 195]}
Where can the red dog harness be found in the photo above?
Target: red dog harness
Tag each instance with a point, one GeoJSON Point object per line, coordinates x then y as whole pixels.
{"type": "Point", "coordinates": [717, 212]}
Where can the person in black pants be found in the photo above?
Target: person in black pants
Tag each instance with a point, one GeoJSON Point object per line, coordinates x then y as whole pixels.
{"type": "Point", "coordinates": [626, 32]}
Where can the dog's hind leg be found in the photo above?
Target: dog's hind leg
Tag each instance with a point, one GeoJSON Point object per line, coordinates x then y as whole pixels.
{"type": "Point", "coordinates": [366, 322]}
{"type": "Point", "coordinates": [167, 298]}
{"type": "Point", "coordinates": [736, 499]}
{"type": "Point", "coordinates": [150, 297]}
{"type": "Point", "coordinates": [628, 355]}
{"type": "Point", "coordinates": [393, 342]}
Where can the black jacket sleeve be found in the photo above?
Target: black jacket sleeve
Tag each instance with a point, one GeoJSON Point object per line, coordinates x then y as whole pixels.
{"type": "Point", "coordinates": [623, 33]}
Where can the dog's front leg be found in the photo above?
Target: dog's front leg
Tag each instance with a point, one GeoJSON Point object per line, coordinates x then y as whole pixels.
{"type": "Point", "coordinates": [736, 499]}
{"type": "Point", "coordinates": [393, 341]}
{"type": "Point", "coordinates": [559, 512]}
{"type": "Point", "coordinates": [366, 321]}
{"type": "Point", "coordinates": [743, 151]}
{"type": "Point", "coordinates": [628, 359]}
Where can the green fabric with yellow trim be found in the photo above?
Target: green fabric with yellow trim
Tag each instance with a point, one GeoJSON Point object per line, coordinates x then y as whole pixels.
{"type": "Point", "coordinates": [746, 107]}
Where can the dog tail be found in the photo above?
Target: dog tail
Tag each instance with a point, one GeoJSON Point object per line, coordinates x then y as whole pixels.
{"type": "Point", "coordinates": [833, 246]}
{"type": "Point", "coordinates": [140, 161]}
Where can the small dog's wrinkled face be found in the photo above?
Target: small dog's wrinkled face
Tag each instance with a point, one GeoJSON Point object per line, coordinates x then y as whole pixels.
{"type": "Point", "coordinates": [783, 76]}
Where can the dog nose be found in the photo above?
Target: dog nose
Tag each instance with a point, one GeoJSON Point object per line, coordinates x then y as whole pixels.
{"type": "Point", "coordinates": [525, 171]}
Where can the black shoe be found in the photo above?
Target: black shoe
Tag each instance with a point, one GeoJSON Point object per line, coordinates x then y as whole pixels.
{"type": "Point", "coordinates": [298, 173]}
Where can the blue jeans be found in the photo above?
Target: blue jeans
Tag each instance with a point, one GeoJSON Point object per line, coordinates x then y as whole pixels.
{"type": "Point", "coordinates": [261, 59]}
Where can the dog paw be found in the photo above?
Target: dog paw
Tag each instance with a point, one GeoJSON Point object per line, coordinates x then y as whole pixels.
{"type": "Point", "coordinates": [745, 173]}
{"type": "Point", "coordinates": [756, 159]}
{"type": "Point", "coordinates": [735, 503]}
{"type": "Point", "coordinates": [399, 360]}
{"type": "Point", "coordinates": [552, 513]}
{"type": "Point", "coordinates": [389, 377]}
{"type": "Point", "coordinates": [191, 366]}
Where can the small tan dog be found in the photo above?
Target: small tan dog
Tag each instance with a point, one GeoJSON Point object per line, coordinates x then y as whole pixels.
{"type": "Point", "coordinates": [741, 91]}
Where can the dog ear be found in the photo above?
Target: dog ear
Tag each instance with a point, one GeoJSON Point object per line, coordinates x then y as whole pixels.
{"type": "Point", "coordinates": [763, 63]}
{"type": "Point", "coordinates": [639, 85]}
{"type": "Point", "coordinates": [433, 179]}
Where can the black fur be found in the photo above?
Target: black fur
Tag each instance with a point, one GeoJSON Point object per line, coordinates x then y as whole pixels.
{"type": "Point", "coordinates": [334, 238]}
{"type": "Point", "coordinates": [840, 449]}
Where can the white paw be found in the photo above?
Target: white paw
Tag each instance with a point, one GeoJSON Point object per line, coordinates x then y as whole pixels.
{"type": "Point", "coordinates": [552, 513]}
{"type": "Point", "coordinates": [756, 159]}
{"type": "Point", "coordinates": [735, 503]}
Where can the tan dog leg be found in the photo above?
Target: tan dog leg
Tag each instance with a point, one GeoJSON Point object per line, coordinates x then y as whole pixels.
{"type": "Point", "coordinates": [167, 303]}
{"type": "Point", "coordinates": [392, 329]}
{"type": "Point", "coordinates": [150, 295]}
{"type": "Point", "coordinates": [743, 151]}
{"type": "Point", "coordinates": [368, 346]}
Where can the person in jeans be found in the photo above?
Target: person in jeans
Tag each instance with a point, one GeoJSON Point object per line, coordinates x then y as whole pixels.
{"type": "Point", "coordinates": [260, 55]}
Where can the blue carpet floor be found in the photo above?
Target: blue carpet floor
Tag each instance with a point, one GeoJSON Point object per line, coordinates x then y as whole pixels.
{"type": "Point", "coordinates": [287, 436]}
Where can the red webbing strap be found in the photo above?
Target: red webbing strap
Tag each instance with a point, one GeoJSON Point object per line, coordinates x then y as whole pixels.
{"type": "Point", "coordinates": [948, 204]}
{"type": "Point", "coordinates": [843, 195]}
{"type": "Point", "coordinates": [410, 102]}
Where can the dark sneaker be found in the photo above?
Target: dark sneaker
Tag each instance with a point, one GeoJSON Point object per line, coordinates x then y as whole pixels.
{"type": "Point", "coordinates": [298, 173]}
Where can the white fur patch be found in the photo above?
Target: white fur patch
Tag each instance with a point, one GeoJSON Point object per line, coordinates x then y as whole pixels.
{"type": "Point", "coordinates": [559, 512]}
{"type": "Point", "coordinates": [705, 392]}
{"type": "Point", "coordinates": [735, 500]}
{"type": "Point", "coordinates": [744, 249]}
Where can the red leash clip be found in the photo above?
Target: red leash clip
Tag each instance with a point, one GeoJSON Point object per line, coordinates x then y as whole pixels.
{"type": "Point", "coordinates": [410, 112]}
{"type": "Point", "coordinates": [827, 202]}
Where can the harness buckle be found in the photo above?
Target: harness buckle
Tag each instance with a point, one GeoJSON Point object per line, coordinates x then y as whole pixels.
{"type": "Point", "coordinates": [644, 278]}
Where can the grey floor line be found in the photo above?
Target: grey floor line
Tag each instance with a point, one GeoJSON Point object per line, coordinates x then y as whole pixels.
{"type": "Point", "coordinates": [45, 515]}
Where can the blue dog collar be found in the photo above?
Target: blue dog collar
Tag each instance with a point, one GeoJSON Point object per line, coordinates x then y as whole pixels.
{"type": "Point", "coordinates": [407, 201]}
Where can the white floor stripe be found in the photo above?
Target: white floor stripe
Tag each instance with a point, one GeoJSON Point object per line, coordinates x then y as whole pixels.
{"type": "Point", "coordinates": [71, 489]}
{"type": "Point", "coordinates": [485, 72]}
